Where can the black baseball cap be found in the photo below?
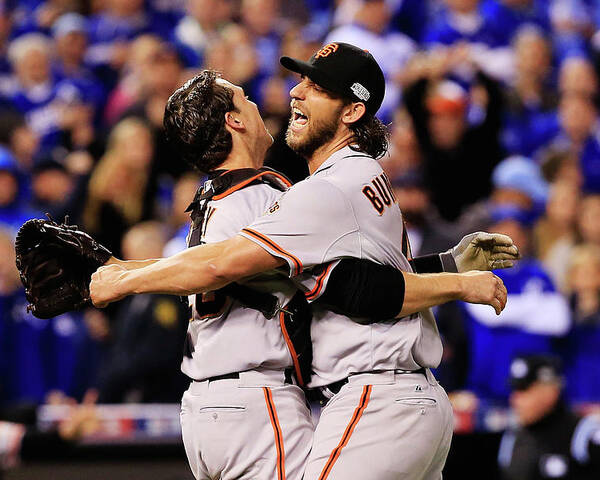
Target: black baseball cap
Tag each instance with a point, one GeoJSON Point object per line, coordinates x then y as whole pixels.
{"type": "Point", "coordinates": [529, 369]}
{"type": "Point", "coordinates": [346, 70]}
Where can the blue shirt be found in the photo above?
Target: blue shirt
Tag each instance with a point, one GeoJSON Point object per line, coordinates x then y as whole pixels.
{"type": "Point", "coordinates": [582, 363]}
{"type": "Point", "coordinates": [535, 304]}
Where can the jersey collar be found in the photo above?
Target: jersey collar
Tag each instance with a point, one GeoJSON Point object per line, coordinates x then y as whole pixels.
{"type": "Point", "coordinates": [335, 157]}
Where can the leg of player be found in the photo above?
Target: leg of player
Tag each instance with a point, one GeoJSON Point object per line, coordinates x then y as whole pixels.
{"type": "Point", "coordinates": [233, 430]}
{"type": "Point", "coordinates": [350, 442]}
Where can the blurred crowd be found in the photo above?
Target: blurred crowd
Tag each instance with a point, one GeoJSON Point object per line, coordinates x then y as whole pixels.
{"type": "Point", "coordinates": [492, 108]}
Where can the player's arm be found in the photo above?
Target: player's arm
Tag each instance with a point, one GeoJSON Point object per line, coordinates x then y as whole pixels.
{"type": "Point", "coordinates": [131, 264]}
{"type": "Point", "coordinates": [373, 292]}
{"type": "Point", "coordinates": [195, 270]}
{"type": "Point", "coordinates": [366, 290]}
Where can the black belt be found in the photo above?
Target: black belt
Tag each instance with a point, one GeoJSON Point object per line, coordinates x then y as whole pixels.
{"type": "Point", "coordinates": [335, 387]}
{"type": "Point", "coordinates": [236, 375]}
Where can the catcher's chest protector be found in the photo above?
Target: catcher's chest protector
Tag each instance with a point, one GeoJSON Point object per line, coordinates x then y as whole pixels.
{"type": "Point", "coordinates": [296, 315]}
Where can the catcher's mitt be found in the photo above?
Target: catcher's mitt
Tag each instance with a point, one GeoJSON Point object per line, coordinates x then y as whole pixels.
{"type": "Point", "coordinates": [56, 263]}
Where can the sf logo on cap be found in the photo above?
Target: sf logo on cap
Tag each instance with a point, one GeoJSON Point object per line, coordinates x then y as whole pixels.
{"type": "Point", "coordinates": [327, 50]}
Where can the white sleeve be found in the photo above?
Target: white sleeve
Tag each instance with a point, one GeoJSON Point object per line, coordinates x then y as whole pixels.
{"type": "Point", "coordinates": [312, 223]}
{"type": "Point", "coordinates": [227, 216]}
{"type": "Point", "coordinates": [545, 313]}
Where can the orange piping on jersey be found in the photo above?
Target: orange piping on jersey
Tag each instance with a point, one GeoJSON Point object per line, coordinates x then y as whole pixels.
{"type": "Point", "coordinates": [271, 244]}
{"type": "Point", "coordinates": [277, 433]}
{"type": "Point", "coordinates": [250, 180]}
{"type": "Point", "coordinates": [291, 348]}
{"type": "Point", "coordinates": [314, 293]}
{"type": "Point", "coordinates": [362, 405]}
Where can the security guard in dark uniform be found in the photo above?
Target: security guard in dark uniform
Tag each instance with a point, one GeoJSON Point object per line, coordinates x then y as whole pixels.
{"type": "Point", "coordinates": [550, 441]}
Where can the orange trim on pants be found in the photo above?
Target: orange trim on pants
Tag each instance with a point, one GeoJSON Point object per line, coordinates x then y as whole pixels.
{"type": "Point", "coordinates": [362, 405]}
{"type": "Point", "coordinates": [277, 433]}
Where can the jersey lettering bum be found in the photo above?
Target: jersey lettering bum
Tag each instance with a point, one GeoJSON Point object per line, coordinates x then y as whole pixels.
{"type": "Point", "coordinates": [380, 193]}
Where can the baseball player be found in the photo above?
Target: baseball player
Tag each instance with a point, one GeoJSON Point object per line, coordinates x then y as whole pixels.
{"type": "Point", "coordinates": [360, 365]}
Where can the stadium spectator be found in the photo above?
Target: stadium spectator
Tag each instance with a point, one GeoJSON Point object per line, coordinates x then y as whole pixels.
{"type": "Point", "coordinates": [113, 28]}
{"type": "Point", "coordinates": [237, 57]}
{"type": "Point", "coordinates": [579, 133]}
{"type": "Point", "coordinates": [530, 119]}
{"type": "Point", "coordinates": [179, 218]}
{"type": "Point", "coordinates": [134, 76]}
{"type": "Point", "coordinates": [50, 108]}
{"type": "Point", "coordinates": [577, 76]}
{"type": "Point", "coordinates": [161, 75]}
{"type": "Point", "coordinates": [120, 193]}
{"type": "Point", "coordinates": [143, 326]}
{"type": "Point", "coordinates": [587, 220]}
{"type": "Point", "coordinates": [201, 27]}
{"type": "Point", "coordinates": [70, 32]}
{"type": "Point", "coordinates": [450, 146]}
{"type": "Point", "coordinates": [391, 49]}
{"type": "Point", "coordinates": [555, 233]}
{"type": "Point", "coordinates": [262, 20]}
{"type": "Point", "coordinates": [509, 16]}
{"type": "Point", "coordinates": [18, 137]}
{"type": "Point", "coordinates": [463, 22]}
{"type": "Point", "coordinates": [518, 183]}
{"type": "Point", "coordinates": [404, 154]}
{"type": "Point", "coordinates": [550, 440]}
{"type": "Point", "coordinates": [534, 316]}
{"type": "Point", "coordinates": [571, 26]}
{"type": "Point", "coordinates": [14, 194]}
{"type": "Point", "coordinates": [427, 232]}
{"type": "Point", "coordinates": [582, 356]}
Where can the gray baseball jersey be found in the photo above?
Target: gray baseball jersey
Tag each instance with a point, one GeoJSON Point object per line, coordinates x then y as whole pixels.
{"type": "Point", "coordinates": [401, 422]}
{"type": "Point", "coordinates": [257, 425]}
{"type": "Point", "coordinates": [347, 209]}
{"type": "Point", "coordinates": [233, 338]}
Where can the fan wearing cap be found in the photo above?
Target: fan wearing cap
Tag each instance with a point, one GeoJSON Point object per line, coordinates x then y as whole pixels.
{"type": "Point", "coordinates": [458, 156]}
{"type": "Point", "coordinates": [550, 440]}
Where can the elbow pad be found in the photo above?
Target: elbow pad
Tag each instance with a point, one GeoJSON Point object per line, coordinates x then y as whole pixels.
{"type": "Point", "coordinates": [364, 289]}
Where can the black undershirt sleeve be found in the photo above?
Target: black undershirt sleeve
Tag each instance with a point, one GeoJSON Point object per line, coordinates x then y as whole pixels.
{"type": "Point", "coordinates": [364, 289]}
{"type": "Point", "coordinates": [435, 263]}
{"type": "Point", "coordinates": [369, 292]}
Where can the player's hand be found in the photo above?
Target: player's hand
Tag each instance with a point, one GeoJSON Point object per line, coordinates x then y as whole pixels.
{"type": "Point", "coordinates": [106, 285]}
{"type": "Point", "coordinates": [484, 251]}
{"type": "Point", "coordinates": [484, 288]}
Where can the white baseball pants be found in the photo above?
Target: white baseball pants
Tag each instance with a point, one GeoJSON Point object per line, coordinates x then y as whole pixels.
{"type": "Point", "coordinates": [383, 426]}
{"type": "Point", "coordinates": [255, 427]}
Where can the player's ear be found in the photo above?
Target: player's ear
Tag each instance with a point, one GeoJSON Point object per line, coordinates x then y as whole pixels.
{"type": "Point", "coordinates": [234, 121]}
{"type": "Point", "coordinates": [353, 112]}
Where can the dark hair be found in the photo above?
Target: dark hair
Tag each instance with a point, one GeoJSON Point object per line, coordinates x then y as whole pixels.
{"type": "Point", "coordinates": [370, 135]}
{"type": "Point", "coordinates": [194, 121]}
{"type": "Point", "coordinates": [10, 120]}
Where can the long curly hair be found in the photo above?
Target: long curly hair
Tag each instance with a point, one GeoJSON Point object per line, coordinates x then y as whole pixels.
{"type": "Point", "coordinates": [194, 121]}
{"type": "Point", "coordinates": [371, 136]}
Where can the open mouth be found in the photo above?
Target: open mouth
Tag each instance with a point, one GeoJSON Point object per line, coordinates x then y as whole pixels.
{"type": "Point", "coordinates": [299, 120]}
